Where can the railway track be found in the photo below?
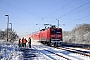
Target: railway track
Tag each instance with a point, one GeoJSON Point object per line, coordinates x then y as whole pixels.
{"type": "Point", "coordinates": [70, 57]}
{"type": "Point", "coordinates": [85, 53]}
{"type": "Point", "coordinates": [51, 55]}
{"type": "Point", "coordinates": [63, 53]}
{"type": "Point", "coordinates": [58, 55]}
{"type": "Point", "coordinates": [77, 51]}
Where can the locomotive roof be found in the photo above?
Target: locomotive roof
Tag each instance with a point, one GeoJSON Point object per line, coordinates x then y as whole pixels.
{"type": "Point", "coordinates": [46, 28]}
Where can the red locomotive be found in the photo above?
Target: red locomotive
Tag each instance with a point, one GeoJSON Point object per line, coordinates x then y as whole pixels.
{"type": "Point", "coordinates": [51, 35]}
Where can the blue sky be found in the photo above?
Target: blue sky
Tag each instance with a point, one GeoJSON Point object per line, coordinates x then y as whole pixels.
{"type": "Point", "coordinates": [25, 14]}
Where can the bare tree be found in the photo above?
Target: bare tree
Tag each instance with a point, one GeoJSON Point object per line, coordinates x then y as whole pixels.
{"type": "Point", "coordinates": [80, 34]}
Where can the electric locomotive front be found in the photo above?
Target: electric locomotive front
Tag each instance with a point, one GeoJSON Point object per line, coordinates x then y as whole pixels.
{"type": "Point", "coordinates": [56, 36]}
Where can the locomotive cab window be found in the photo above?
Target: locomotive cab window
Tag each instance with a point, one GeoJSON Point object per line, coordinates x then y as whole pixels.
{"type": "Point", "coordinates": [58, 31]}
{"type": "Point", "coordinates": [53, 31]}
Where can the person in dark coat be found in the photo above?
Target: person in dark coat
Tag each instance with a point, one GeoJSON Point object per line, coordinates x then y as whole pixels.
{"type": "Point", "coordinates": [19, 42]}
{"type": "Point", "coordinates": [29, 42]}
{"type": "Point", "coordinates": [22, 42]}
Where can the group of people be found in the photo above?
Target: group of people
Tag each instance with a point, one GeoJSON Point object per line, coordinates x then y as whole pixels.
{"type": "Point", "coordinates": [22, 42]}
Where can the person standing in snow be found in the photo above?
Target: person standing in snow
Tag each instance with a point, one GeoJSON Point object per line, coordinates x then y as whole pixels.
{"type": "Point", "coordinates": [29, 42]}
{"type": "Point", "coordinates": [19, 42]}
{"type": "Point", "coordinates": [24, 42]}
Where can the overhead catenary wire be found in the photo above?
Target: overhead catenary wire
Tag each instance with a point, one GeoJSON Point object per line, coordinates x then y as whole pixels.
{"type": "Point", "coordinates": [26, 24]}
{"type": "Point", "coordinates": [72, 11]}
{"type": "Point", "coordinates": [42, 18]}
{"type": "Point", "coordinates": [61, 8]}
{"type": "Point", "coordinates": [21, 9]}
{"type": "Point", "coordinates": [81, 10]}
{"type": "Point", "coordinates": [78, 19]}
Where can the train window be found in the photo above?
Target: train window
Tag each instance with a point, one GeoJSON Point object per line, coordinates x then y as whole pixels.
{"type": "Point", "coordinates": [53, 31]}
{"type": "Point", "coordinates": [58, 31]}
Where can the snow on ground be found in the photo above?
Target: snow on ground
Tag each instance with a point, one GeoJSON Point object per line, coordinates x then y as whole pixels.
{"type": "Point", "coordinates": [64, 53]}
{"type": "Point", "coordinates": [47, 54]}
{"type": "Point", "coordinates": [11, 51]}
